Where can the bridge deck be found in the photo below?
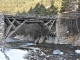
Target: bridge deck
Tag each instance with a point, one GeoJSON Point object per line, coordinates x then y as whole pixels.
{"type": "Point", "coordinates": [33, 18]}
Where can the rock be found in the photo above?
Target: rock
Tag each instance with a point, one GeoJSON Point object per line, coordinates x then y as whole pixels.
{"type": "Point", "coordinates": [49, 39]}
{"type": "Point", "coordinates": [63, 40]}
{"type": "Point", "coordinates": [71, 39]}
{"type": "Point", "coordinates": [42, 39]}
{"type": "Point", "coordinates": [58, 52]}
{"type": "Point", "coordinates": [19, 37]}
{"type": "Point", "coordinates": [77, 42]}
{"type": "Point", "coordinates": [78, 59]}
{"type": "Point", "coordinates": [27, 55]}
{"type": "Point", "coordinates": [77, 51]}
{"type": "Point", "coordinates": [28, 38]}
{"type": "Point", "coordinates": [36, 41]}
{"type": "Point", "coordinates": [61, 53]}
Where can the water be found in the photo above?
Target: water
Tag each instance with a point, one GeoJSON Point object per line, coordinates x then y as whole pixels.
{"type": "Point", "coordinates": [32, 51]}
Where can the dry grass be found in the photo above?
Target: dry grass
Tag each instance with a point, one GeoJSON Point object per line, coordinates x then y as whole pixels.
{"type": "Point", "coordinates": [24, 5]}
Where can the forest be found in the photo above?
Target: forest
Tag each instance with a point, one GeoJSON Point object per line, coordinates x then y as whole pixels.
{"type": "Point", "coordinates": [13, 6]}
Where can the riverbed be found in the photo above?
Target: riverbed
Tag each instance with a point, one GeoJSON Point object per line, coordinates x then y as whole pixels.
{"type": "Point", "coordinates": [32, 51]}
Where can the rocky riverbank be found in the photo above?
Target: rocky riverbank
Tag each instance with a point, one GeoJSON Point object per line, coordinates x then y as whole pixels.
{"type": "Point", "coordinates": [30, 51]}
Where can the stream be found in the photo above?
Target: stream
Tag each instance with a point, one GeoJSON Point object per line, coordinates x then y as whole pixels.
{"type": "Point", "coordinates": [18, 50]}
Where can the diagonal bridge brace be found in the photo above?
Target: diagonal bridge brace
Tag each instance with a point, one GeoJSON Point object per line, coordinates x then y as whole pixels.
{"type": "Point", "coordinates": [16, 28]}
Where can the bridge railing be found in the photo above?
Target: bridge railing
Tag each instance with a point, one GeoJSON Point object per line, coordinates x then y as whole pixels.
{"type": "Point", "coordinates": [38, 16]}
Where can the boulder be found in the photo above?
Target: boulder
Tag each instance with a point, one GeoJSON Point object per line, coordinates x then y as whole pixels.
{"type": "Point", "coordinates": [28, 38]}
{"type": "Point", "coordinates": [42, 39]}
{"type": "Point", "coordinates": [36, 40]}
{"type": "Point", "coordinates": [58, 52]}
{"type": "Point", "coordinates": [77, 51]}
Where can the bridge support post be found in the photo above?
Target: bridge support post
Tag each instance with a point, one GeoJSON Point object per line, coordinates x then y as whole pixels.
{"type": "Point", "coordinates": [58, 21]}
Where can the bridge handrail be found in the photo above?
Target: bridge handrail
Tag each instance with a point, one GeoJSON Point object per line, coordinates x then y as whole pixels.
{"type": "Point", "coordinates": [33, 16]}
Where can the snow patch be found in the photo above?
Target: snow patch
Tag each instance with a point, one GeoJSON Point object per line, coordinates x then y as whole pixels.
{"type": "Point", "coordinates": [15, 54]}
{"type": "Point", "coordinates": [2, 56]}
{"type": "Point", "coordinates": [77, 51]}
{"type": "Point", "coordinates": [58, 52]}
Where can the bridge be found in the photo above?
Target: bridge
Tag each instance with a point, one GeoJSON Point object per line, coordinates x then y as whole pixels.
{"type": "Point", "coordinates": [13, 23]}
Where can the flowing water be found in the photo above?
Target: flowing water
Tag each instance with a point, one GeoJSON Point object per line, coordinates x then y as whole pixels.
{"type": "Point", "coordinates": [19, 50]}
